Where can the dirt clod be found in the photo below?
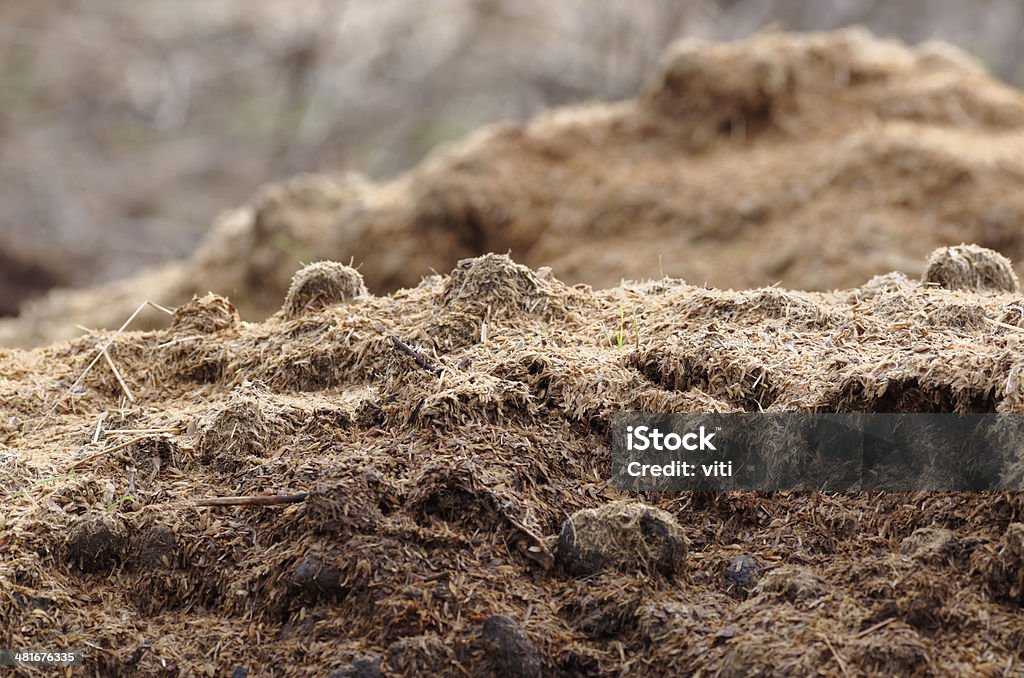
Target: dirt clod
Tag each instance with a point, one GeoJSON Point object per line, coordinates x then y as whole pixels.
{"type": "Point", "coordinates": [969, 267]}
{"type": "Point", "coordinates": [240, 429]}
{"type": "Point", "coordinates": [313, 576]}
{"type": "Point", "coordinates": [495, 282]}
{"type": "Point", "coordinates": [512, 653]}
{"type": "Point", "coordinates": [362, 667]}
{"type": "Point", "coordinates": [624, 535]}
{"type": "Point", "coordinates": [742, 573]}
{"type": "Point", "coordinates": [156, 548]}
{"type": "Point", "coordinates": [97, 542]}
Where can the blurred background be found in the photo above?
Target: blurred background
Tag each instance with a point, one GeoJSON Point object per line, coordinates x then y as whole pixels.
{"type": "Point", "coordinates": [127, 125]}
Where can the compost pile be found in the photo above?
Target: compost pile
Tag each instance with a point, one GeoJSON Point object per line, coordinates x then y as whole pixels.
{"type": "Point", "coordinates": [815, 161]}
{"type": "Point", "coordinates": [439, 461]}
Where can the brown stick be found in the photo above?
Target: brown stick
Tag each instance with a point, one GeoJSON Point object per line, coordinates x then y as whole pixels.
{"type": "Point", "coordinates": [414, 354]}
{"type": "Point", "coordinates": [263, 500]}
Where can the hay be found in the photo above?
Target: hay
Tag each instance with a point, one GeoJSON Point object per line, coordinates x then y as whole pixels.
{"type": "Point", "coordinates": [969, 267]}
{"type": "Point", "coordinates": [931, 545]}
{"type": "Point", "coordinates": [323, 284]}
{"type": "Point", "coordinates": [205, 315]}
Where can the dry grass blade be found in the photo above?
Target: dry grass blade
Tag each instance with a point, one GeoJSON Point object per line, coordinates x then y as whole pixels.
{"type": "Point", "coordinates": [117, 375]}
{"type": "Point", "coordinates": [102, 352]}
{"type": "Point", "coordinates": [106, 451]}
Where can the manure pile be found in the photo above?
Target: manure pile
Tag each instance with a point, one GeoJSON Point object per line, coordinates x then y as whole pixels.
{"type": "Point", "coordinates": [424, 483]}
{"type": "Point", "coordinates": [810, 160]}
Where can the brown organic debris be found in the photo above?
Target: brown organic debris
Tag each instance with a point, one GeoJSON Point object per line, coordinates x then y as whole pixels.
{"type": "Point", "coordinates": [323, 284]}
{"type": "Point", "coordinates": [623, 535]}
{"type": "Point", "coordinates": [446, 510]}
{"type": "Point", "coordinates": [969, 267]}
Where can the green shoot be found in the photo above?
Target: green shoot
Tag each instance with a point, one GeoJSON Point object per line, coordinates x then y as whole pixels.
{"type": "Point", "coordinates": [620, 336]}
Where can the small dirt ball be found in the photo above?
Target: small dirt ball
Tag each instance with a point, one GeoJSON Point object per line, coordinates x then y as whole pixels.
{"type": "Point", "coordinates": [623, 535]}
{"type": "Point", "coordinates": [97, 542]}
{"type": "Point", "coordinates": [316, 577]}
{"type": "Point", "coordinates": [969, 267]}
{"type": "Point", "coordinates": [205, 315]}
{"type": "Point", "coordinates": [362, 667]}
{"type": "Point", "coordinates": [240, 429]}
{"type": "Point", "coordinates": [742, 573]}
{"type": "Point", "coordinates": [320, 285]}
{"type": "Point", "coordinates": [156, 548]}
{"type": "Point", "coordinates": [512, 653]}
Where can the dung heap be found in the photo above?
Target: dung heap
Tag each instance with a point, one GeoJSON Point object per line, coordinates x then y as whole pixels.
{"type": "Point", "coordinates": [811, 160]}
{"type": "Point", "coordinates": [376, 483]}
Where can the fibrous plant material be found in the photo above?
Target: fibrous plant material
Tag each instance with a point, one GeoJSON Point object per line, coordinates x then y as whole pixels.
{"type": "Point", "coordinates": [931, 544]}
{"type": "Point", "coordinates": [323, 284]}
{"type": "Point", "coordinates": [205, 315]}
{"type": "Point", "coordinates": [320, 491]}
{"type": "Point", "coordinates": [627, 536]}
{"type": "Point", "coordinates": [969, 267]}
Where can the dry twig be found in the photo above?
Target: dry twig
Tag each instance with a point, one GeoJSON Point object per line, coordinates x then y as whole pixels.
{"type": "Point", "coordinates": [261, 500]}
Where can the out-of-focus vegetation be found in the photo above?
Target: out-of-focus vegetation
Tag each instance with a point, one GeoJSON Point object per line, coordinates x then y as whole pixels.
{"type": "Point", "coordinates": [125, 126]}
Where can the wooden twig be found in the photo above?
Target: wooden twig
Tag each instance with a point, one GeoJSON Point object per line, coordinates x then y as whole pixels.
{"type": "Point", "coordinates": [262, 500]}
{"type": "Point", "coordinates": [422, 361]}
{"type": "Point", "coordinates": [181, 340]}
